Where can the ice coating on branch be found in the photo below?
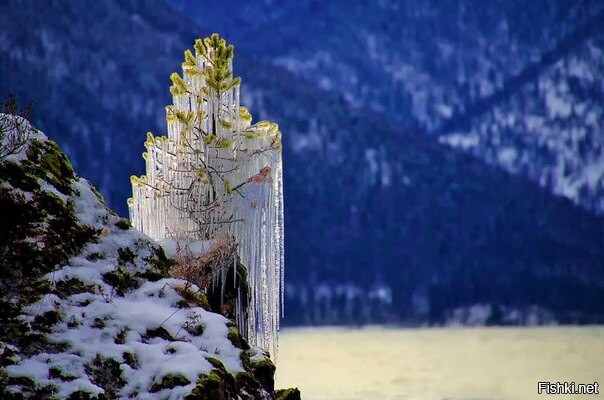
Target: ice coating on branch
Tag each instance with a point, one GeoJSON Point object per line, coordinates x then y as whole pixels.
{"type": "Point", "coordinates": [216, 173]}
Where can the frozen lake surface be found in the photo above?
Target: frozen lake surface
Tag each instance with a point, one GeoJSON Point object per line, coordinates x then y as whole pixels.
{"type": "Point", "coordinates": [438, 363]}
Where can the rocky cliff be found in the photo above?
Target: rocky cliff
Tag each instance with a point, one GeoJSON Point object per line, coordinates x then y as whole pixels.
{"type": "Point", "coordinates": [88, 309]}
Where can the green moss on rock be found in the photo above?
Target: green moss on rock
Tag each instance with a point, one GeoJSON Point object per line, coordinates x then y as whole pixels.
{"type": "Point", "coordinates": [106, 374]}
{"type": "Point", "coordinates": [216, 363]}
{"type": "Point", "coordinates": [217, 385]}
{"type": "Point", "coordinates": [15, 174]}
{"type": "Point", "coordinates": [131, 359]}
{"type": "Point", "coordinates": [33, 290]}
{"type": "Point", "coordinates": [83, 395]}
{"type": "Point", "coordinates": [121, 280]}
{"type": "Point", "coordinates": [40, 214]}
{"type": "Point", "coordinates": [45, 217]}
{"type": "Point", "coordinates": [21, 381]}
{"type": "Point", "coordinates": [11, 327]}
{"type": "Point", "coordinates": [32, 343]}
{"type": "Point", "coordinates": [208, 387]}
{"type": "Point", "coordinates": [123, 224]}
{"type": "Point", "coordinates": [159, 332]}
{"type": "Point", "coordinates": [46, 160]}
{"type": "Point", "coordinates": [44, 322]}
{"type": "Point", "coordinates": [8, 355]}
{"type": "Point", "coordinates": [248, 386]}
{"type": "Point", "coordinates": [259, 375]}
{"type": "Point", "coordinates": [169, 381]}
{"type": "Point", "coordinates": [195, 329]}
{"type": "Point", "coordinates": [99, 323]}
{"type": "Point", "coordinates": [287, 394]}
{"type": "Point", "coordinates": [98, 195]}
{"type": "Point", "coordinates": [159, 265]}
{"type": "Point", "coordinates": [245, 360]}
{"type": "Point", "coordinates": [29, 389]}
{"type": "Point", "coordinates": [125, 256]}
{"type": "Point", "coordinates": [57, 373]}
{"type": "Point", "coordinates": [71, 286]}
{"type": "Point", "coordinates": [192, 297]}
{"type": "Point", "coordinates": [235, 337]}
{"type": "Point", "coordinates": [264, 370]}
{"type": "Point", "coordinates": [120, 338]}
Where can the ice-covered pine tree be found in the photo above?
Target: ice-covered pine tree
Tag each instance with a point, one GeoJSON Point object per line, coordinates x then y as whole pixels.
{"type": "Point", "coordinates": [217, 174]}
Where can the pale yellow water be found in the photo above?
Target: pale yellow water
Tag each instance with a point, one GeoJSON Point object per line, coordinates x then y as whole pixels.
{"type": "Point", "coordinates": [439, 363]}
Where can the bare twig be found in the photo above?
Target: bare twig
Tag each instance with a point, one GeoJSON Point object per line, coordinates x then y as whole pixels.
{"type": "Point", "coordinates": [14, 127]}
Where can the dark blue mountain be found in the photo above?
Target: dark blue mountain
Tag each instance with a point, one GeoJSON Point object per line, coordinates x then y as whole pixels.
{"type": "Point", "coordinates": [384, 223]}
{"type": "Point", "coordinates": [518, 84]}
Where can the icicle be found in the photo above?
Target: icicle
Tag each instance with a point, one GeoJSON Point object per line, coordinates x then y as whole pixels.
{"type": "Point", "coordinates": [201, 186]}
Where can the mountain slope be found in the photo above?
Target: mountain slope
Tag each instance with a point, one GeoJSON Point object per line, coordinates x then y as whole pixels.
{"type": "Point", "coordinates": [430, 56]}
{"type": "Point", "coordinates": [436, 67]}
{"type": "Point", "coordinates": [396, 211]}
{"type": "Point", "coordinates": [550, 130]}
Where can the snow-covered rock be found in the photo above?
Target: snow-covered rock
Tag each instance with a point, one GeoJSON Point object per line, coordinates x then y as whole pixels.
{"type": "Point", "coordinates": [88, 309]}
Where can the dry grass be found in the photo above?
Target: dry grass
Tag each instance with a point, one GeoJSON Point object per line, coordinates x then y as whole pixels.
{"type": "Point", "coordinates": [205, 269]}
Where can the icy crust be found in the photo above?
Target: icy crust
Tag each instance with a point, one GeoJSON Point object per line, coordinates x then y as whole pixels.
{"type": "Point", "coordinates": [109, 323]}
